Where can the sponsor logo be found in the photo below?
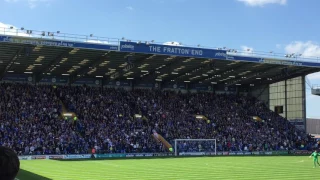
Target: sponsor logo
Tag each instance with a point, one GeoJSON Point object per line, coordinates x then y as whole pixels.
{"type": "Point", "coordinates": [220, 153]}
{"type": "Point", "coordinates": [302, 152]}
{"type": "Point", "coordinates": [247, 153]}
{"type": "Point", "coordinates": [256, 153]}
{"type": "Point", "coordinates": [38, 157]}
{"type": "Point", "coordinates": [24, 157]}
{"type": "Point", "coordinates": [114, 48]}
{"type": "Point", "coordinates": [273, 61]}
{"type": "Point", "coordinates": [268, 153]}
{"type": "Point", "coordinates": [228, 57]}
{"type": "Point", "coordinates": [225, 153]}
{"type": "Point", "coordinates": [162, 154]}
{"type": "Point", "coordinates": [284, 152]}
{"type": "Point", "coordinates": [221, 54]}
{"type": "Point", "coordinates": [192, 154]}
{"type": "Point", "coordinates": [232, 153]}
{"type": "Point", "coordinates": [6, 39]}
{"type": "Point", "coordinates": [110, 155]}
{"type": "Point", "coordinates": [81, 156]}
{"type": "Point", "coordinates": [129, 155]}
{"type": "Point", "coordinates": [127, 46]}
{"type": "Point", "coordinates": [56, 157]}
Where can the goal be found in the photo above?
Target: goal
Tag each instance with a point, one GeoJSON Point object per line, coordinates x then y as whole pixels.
{"type": "Point", "coordinates": [195, 147]}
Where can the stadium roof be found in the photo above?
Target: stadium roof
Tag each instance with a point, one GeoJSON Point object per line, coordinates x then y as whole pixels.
{"type": "Point", "coordinates": [56, 54]}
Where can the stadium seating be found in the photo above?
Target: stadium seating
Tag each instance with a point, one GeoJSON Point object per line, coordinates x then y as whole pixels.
{"type": "Point", "coordinates": [30, 120]}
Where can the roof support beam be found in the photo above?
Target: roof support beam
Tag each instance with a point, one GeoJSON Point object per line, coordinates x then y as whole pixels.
{"type": "Point", "coordinates": [12, 61]}
{"type": "Point", "coordinates": [132, 66]}
{"type": "Point", "coordinates": [84, 70]}
{"type": "Point", "coordinates": [290, 75]}
{"type": "Point", "coordinates": [199, 67]}
{"type": "Point", "coordinates": [168, 68]}
{"type": "Point", "coordinates": [52, 64]}
{"type": "Point", "coordinates": [251, 75]}
{"type": "Point", "coordinates": [203, 78]}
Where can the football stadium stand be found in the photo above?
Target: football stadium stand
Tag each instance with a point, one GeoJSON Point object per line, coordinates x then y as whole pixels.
{"type": "Point", "coordinates": [66, 96]}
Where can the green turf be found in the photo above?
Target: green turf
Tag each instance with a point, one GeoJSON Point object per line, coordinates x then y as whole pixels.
{"type": "Point", "coordinates": [206, 168]}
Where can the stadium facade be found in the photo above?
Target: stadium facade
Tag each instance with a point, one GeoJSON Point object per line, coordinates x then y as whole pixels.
{"type": "Point", "coordinates": [313, 126]}
{"type": "Point", "coordinates": [40, 57]}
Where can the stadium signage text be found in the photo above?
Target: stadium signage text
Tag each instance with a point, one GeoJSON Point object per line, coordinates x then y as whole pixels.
{"type": "Point", "coordinates": [110, 155]}
{"type": "Point", "coordinates": [47, 42]}
{"type": "Point", "coordinates": [80, 156]}
{"type": "Point", "coordinates": [281, 62]}
{"type": "Point", "coordinates": [129, 155]}
{"type": "Point", "coordinates": [56, 157]}
{"type": "Point", "coordinates": [225, 55]}
{"type": "Point", "coordinates": [24, 157]}
{"type": "Point", "coordinates": [192, 154]}
{"type": "Point", "coordinates": [171, 50]}
{"type": "Point", "coordinates": [176, 50]}
{"type": "Point", "coordinates": [38, 157]}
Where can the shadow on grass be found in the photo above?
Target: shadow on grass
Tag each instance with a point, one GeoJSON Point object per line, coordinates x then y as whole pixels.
{"type": "Point", "coordinates": [26, 175]}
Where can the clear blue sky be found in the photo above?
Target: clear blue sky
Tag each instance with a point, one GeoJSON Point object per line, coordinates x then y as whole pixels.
{"type": "Point", "coordinates": [263, 25]}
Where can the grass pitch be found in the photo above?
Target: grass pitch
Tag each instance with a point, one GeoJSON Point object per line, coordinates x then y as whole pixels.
{"type": "Point", "coordinates": [204, 168]}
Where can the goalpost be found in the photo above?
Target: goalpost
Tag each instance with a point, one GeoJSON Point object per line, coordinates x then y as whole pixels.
{"type": "Point", "coordinates": [195, 147]}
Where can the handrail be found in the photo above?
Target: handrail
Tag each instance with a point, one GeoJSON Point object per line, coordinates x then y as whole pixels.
{"type": "Point", "coordinates": [315, 86]}
{"type": "Point", "coordinates": [12, 31]}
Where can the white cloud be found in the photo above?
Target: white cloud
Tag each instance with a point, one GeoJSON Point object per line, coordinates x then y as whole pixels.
{"type": "Point", "coordinates": [98, 42]}
{"type": "Point", "coordinates": [245, 51]}
{"type": "Point", "coordinates": [314, 76]}
{"type": "Point", "coordinates": [307, 49]}
{"type": "Point", "coordinates": [261, 3]}
{"type": "Point", "coordinates": [130, 8]}
{"type": "Point", "coordinates": [172, 43]}
{"type": "Point", "coordinates": [31, 3]}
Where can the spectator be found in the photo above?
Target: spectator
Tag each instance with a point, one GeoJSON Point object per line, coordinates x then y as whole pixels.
{"type": "Point", "coordinates": [30, 121]}
{"type": "Point", "coordinates": [9, 164]}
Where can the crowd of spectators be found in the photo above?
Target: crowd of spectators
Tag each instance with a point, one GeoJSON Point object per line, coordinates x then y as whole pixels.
{"type": "Point", "coordinates": [31, 121]}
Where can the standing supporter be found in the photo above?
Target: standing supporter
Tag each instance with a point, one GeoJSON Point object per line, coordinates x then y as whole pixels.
{"type": "Point", "coordinates": [30, 121]}
{"type": "Point", "coordinates": [9, 164]}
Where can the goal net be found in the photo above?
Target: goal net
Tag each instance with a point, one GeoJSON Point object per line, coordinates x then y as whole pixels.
{"type": "Point", "coordinates": [195, 147]}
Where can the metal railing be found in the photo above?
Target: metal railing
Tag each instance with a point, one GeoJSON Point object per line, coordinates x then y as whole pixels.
{"type": "Point", "coordinates": [51, 35]}
{"type": "Point", "coordinates": [316, 86]}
